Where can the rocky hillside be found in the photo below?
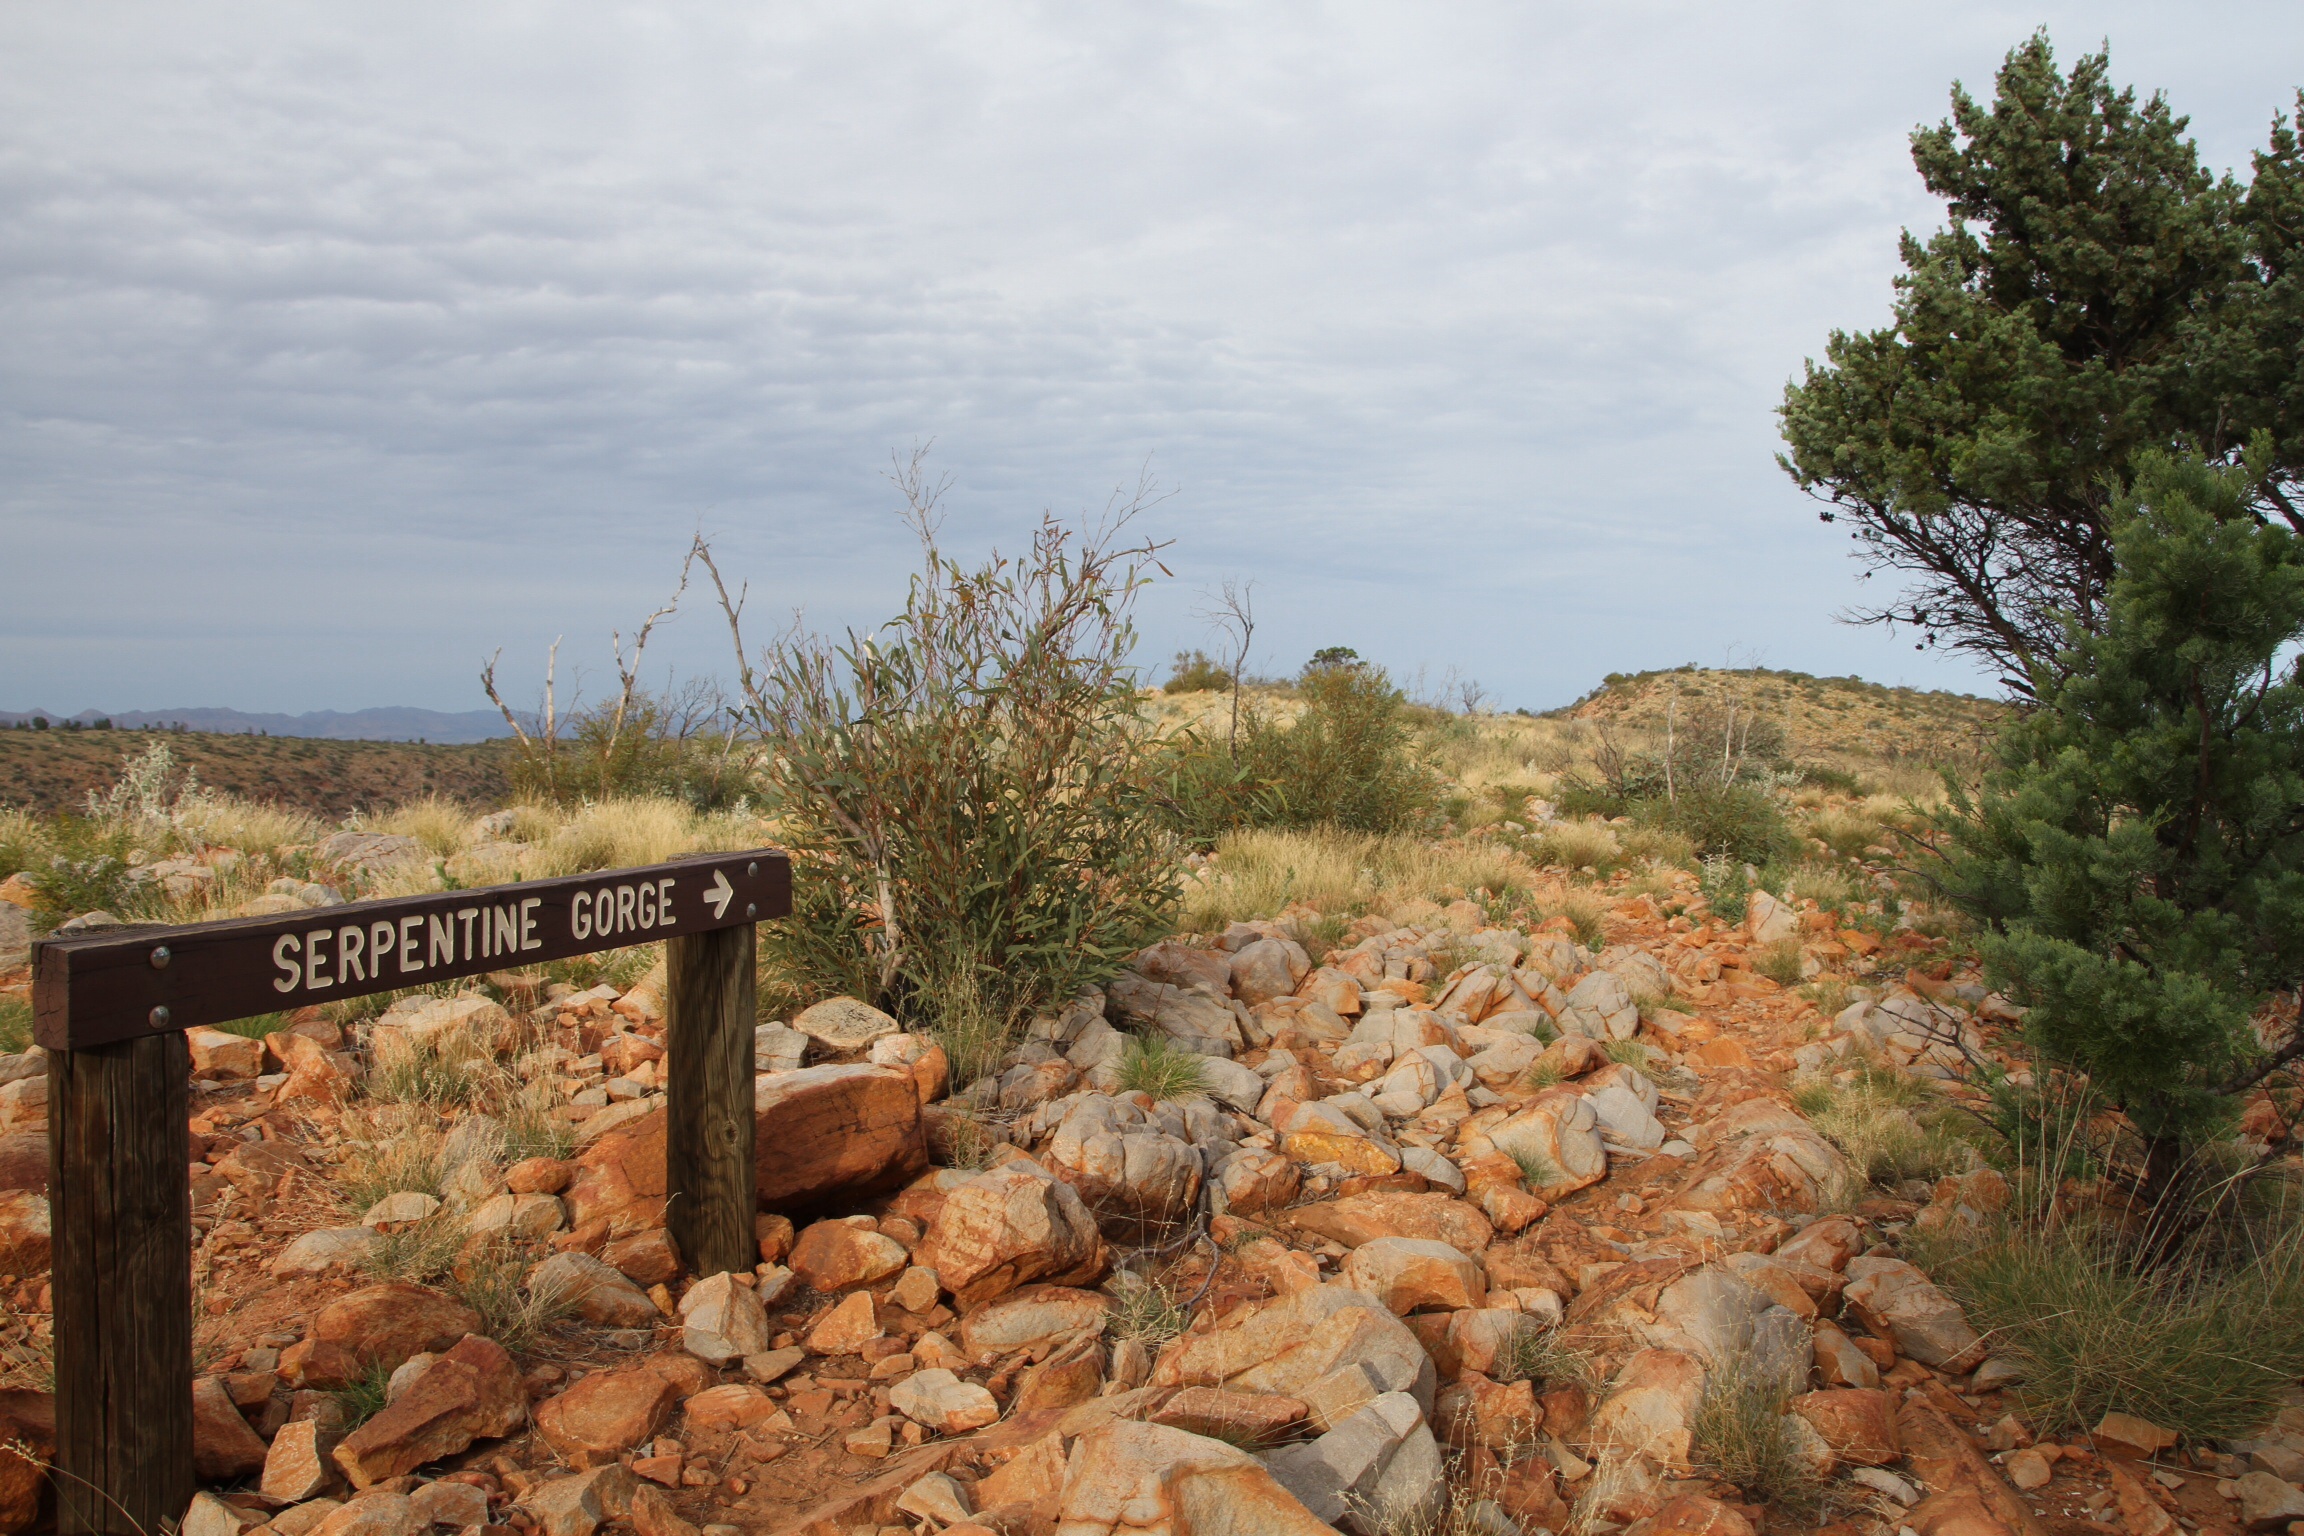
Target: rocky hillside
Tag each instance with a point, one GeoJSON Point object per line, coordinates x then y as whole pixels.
{"type": "Point", "coordinates": [1440, 1225]}
{"type": "Point", "coordinates": [1823, 716]}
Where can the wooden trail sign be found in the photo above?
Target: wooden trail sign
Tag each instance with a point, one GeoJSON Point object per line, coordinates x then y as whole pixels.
{"type": "Point", "coordinates": [111, 1008]}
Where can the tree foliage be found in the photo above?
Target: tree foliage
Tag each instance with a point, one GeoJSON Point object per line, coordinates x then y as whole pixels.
{"type": "Point", "coordinates": [2098, 295]}
{"type": "Point", "coordinates": [2137, 854]}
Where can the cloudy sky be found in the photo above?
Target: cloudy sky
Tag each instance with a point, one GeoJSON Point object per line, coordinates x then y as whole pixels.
{"type": "Point", "coordinates": [342, 344]}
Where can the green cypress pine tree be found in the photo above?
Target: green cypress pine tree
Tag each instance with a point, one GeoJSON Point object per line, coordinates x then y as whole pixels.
{"type": "Point", "coordinates": [2137, 855]}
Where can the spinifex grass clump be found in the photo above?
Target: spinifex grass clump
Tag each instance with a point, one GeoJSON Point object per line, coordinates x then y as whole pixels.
{"type": "Point", "coordinates": [1160, 1068]}
{"type": "Point", "coordinates": [1742, 1436]}
{"type": "Point", "coordinates": [2206, 1341]}
{"type": "Point", "coordinates": [1892, 1126]}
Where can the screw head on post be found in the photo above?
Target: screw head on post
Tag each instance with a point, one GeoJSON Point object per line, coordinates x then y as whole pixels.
{"type": "Point", "coordinates": [160, 1018]}
{"type": "Point", "coordinates": [161, 957]}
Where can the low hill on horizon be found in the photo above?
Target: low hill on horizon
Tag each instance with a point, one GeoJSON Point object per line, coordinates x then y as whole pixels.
{"type": "Point", "coordinates": [51, 771]}
{"type": "Point", "coordinates": [386, 723]}
{"type": "Point", "coordinates": [1820, 715]}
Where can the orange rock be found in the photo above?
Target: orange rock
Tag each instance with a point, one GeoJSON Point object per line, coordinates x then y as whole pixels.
{"type": "Point", "coordinates": [1412, 1274]}
{"type": "Point", "coordinates": [1032, 1478]}
{"type": "Point", "coordinates": [837, 1130]}
{"type": "Point", "coordinates": [847, 1328]}
{"type": "Point", "coordinates": [1529, 1493]}
{"type": "Point", "coordinates": [1356, 1153]}
{"type": "Point", "coordinates": [472, 1392]}
{"type": "Point", "coordinates": [738, 1405]}
{"type": "Point", "coordinates": [1722, 1052]}
{"type": "Point", "coordinates": [1691, 1514]}
{"type": "Point", "coordinates": [839, 1255]}
{"type": "Point", "coordinates": [1473, 1410]}
{"type": "Point", "coordinates": [645, 1258]}
{"type": "Point", "coordinates": [1236, 1418]}
{"type": "Point", "coordinates": [224, 1448]}
{"type": "Point", "coordinates": [1362, 1218]}
{"type": "Point", "coordinates": [1859, 1424]}
{"type": "Point", "coordinates": [538, 1176]}
{"type": "Point", "coordinates": [1073, 1374]}
{"type": "Point", "coordinates": [1007, 1227]}
{"type": "Point", "coordinates": [376, 1325]}
{"type": "Point", "coordinates": [605, 1414]}
{"type": "Point", "coordinates": [2129, 1435]}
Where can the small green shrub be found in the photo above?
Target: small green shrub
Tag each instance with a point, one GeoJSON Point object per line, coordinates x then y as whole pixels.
{"type": "Point", "coordinates": [416, 1254]}
{"type": "Point", "coordinates": [1535, 1168]}
{"type": "Point", "coordinates": [1146, 1311]}
{"type": "Point", "coordinates": [86, 870]}
{"type": "Point", "coordinates": [1780, 962]}
{"type": "Point", "coordinates": [1349, 761]}
{"type": "Point", "coordinates": [254, 1027]}
{"type": "Point", "coordinates": [515, 1317]}
{"type": "Point", "coordinates": [1893, 1127]}
{"type": "Point", "coordinates": [364, 1398]}
{"type": "Point", "coordinates": [23, 842]}
{"type": "Point", "coordinates": [1742, 822]}
{"type": "Point", "coordinates": [1629, 1053]}
{"type": "Point", "coordinates": [1541, 1355]}
{"type": "Point", "coordinates": [1726, 893]}
{"type": "Point", "coordinates": [530, 1127]}
{"type": "Point", "coordinates": [446, 1070]}
{"type": "Point", "coordinates": [1196, 671]}
{"type": "Point", "coordinates": [1151, 1064]}
{"type": "Point", "coordinates": [15, 1024]}
{"type": "Point", "coordinates": [1839, 780]}
{"type": "Point", "coordinates": [1585, 914]}
{"type": "Point", "coordinates": [1578, 845]}
{"type": "Point", "coordinates": [387, 1155]}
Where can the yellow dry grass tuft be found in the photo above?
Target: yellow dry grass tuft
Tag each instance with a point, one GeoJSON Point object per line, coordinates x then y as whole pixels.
{"type": "Point", "coordinates": [1256, 873]}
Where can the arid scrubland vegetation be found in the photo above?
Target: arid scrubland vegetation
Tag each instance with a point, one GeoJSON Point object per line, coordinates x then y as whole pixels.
{"type": "Point", "coordinates": [1376, 1116]}
{"type": "Point", "coordinates": [1739, 1101]}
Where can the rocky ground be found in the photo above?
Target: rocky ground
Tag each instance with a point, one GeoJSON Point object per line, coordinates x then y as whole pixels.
{"type": "Point", "coordinates": [1453, 1233]}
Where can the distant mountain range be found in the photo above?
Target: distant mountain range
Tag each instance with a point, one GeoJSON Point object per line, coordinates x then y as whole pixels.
{"type": "Point", "coordinates": [389, 724]}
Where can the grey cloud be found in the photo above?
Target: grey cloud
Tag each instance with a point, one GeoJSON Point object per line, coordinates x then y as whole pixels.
{"type": "Point", "coordinates": [338, 347]}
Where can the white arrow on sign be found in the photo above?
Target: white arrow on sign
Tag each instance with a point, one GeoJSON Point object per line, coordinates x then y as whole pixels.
{"type": "Point", "coordinates": [720, 893]}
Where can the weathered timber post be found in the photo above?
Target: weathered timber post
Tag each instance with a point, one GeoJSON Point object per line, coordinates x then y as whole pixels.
{"type": "Point", "coordinates": [122, 1281]}
{"type": "Point", "coordinates": [708, 1149]}
{"type": "Point", "coordinates": [110, 1006]}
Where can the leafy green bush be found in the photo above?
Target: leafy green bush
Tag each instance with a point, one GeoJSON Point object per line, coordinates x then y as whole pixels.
{"type": "Point", "coordinates": [1196, 672]}
{"type": "Point", "coordinates": [23, 842]}
{"type": "Point", "coordinates": [1743, 822]}
{"type": "Point", "coordinates": [967, 792]}
{"type": "Point", "coordinates": [86, 870]}
{"type": "Point", "coordinates": [1349, 760]}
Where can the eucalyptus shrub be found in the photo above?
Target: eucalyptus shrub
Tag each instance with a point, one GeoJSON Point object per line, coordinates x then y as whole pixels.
{"type": "Point", "coordinates": [967, 792]}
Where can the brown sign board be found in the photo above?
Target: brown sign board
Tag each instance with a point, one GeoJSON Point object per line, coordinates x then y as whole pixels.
{"type": "Point", "coordinates": [126, 983]}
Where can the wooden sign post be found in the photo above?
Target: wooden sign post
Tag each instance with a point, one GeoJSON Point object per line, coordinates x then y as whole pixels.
{"type": "Point", "coordinates": [111, 1007]}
